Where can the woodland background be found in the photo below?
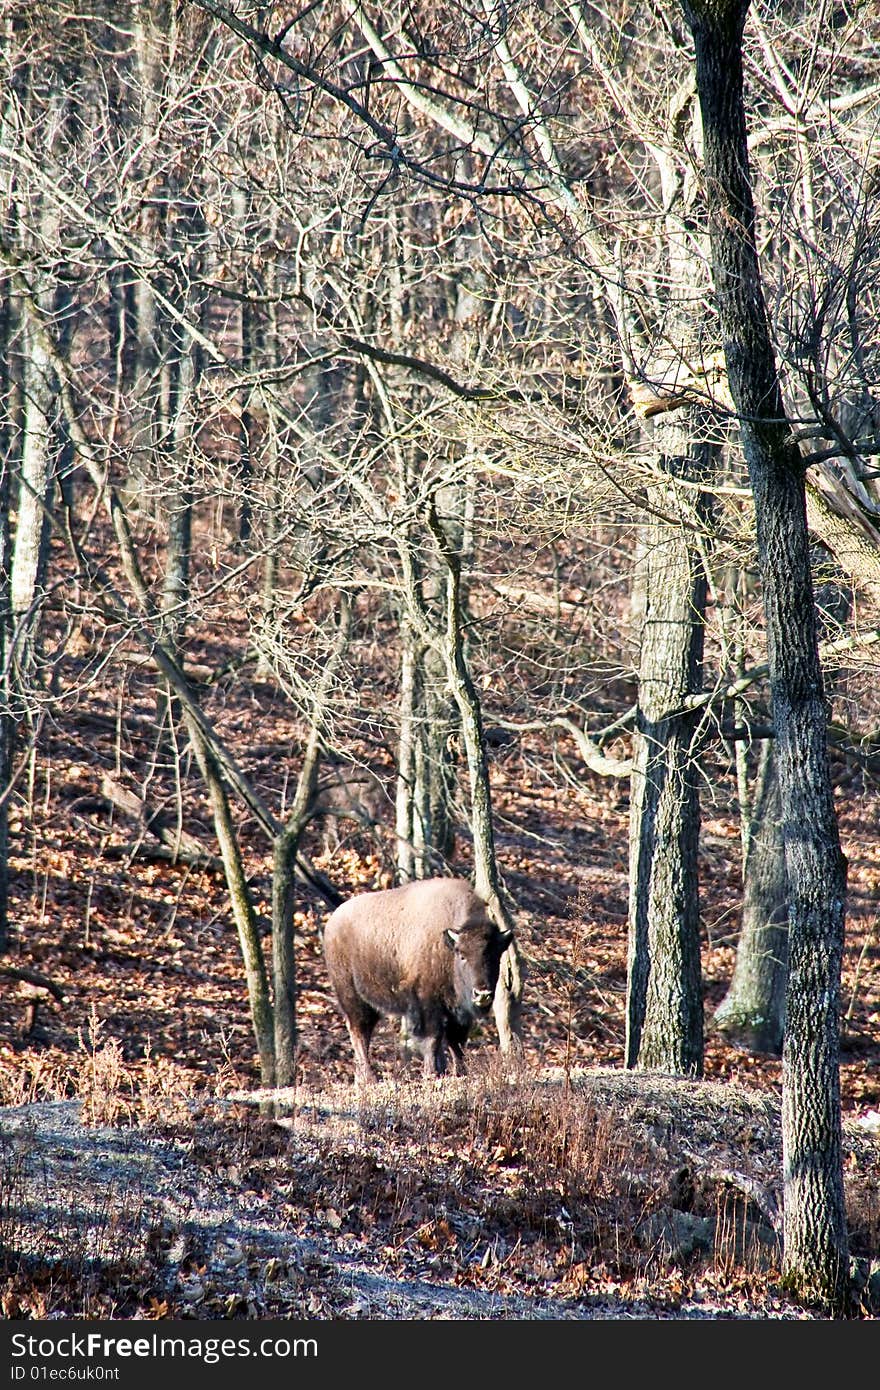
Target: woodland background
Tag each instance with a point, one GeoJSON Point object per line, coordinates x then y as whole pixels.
{"type": "Point", "coordinates": [372, 492]}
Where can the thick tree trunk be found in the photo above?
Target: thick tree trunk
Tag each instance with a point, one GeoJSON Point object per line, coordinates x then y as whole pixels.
{"type": "Point", "coordinates": [7, 724]}
{"type": "Point", "coordinates": [664, 996]}
{"type": "Point", "coordinates": [752, 1013]}
{"type": "Point", "coordinates": [815, 1232]}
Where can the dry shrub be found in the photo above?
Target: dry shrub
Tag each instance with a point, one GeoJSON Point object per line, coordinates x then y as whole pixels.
{"type": "Point", "coordinates": [28, 1078]}
{"type": "Point", "coordinates": [587, 1179]}
{"type": "Point", "coordinates": [104, 1086]}
{"type": "Point", "coordinates": [741, 1245]}
{"type": "Point", "coordinates": [112, 1091]}
{"type": "Point", "coordinates": [463, 1167]}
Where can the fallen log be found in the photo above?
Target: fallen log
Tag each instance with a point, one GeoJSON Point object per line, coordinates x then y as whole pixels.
{"type": "Point", "coordinates": [33, 977]}
{"type": "Point", "coordinates": [181, 847]}
{"type": "Point", "coordinates": [38, 981]}
{"type": "Point", "coordinates": [178, 844]}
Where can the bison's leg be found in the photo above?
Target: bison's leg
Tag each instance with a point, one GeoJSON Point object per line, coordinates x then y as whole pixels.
{"type": "Point", "coordinates": [360, 1021]}
{"type": "Point", "coordinates": [433, 1055]}
{"type": "Point", "coordinates": [458, 1062]}
{"type": "Point", "coordinates": [456, 1036]}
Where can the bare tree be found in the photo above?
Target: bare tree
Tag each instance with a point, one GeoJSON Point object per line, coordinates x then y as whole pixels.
{"type": "Point", "coordinates": [7, 726]}
{"type": "Point", "coordinates": [815, 1215]}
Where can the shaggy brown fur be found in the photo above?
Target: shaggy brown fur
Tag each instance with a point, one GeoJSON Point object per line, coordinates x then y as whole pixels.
{"type": "Point", "coordinates": [428, 953]}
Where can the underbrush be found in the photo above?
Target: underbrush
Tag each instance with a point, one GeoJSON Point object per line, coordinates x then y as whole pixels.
{"type": "Point", "coordinates": [514, 1188]}
{"type": "Point", "coordinates": [614, 1190]}
{"type": "Point", "coordinates": [111, 1089]}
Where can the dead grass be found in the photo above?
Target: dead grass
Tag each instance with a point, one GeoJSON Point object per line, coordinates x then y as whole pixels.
{"type": "Point", "coordinates": [555, 1184]}
{"type": "Point", "coordinates": [592, 1189]}
{"type": "Point", "coordinates": [112, 1091]}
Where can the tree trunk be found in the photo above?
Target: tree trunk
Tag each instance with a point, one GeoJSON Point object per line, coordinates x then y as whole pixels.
{"type": "Point", "coordinates": [176, 426]}
{"type": "Point", "coordinates": [144, 349]}
{"type": "Point", "coordinates": [253, 358]}
{"type": "Point", "coordinates": [404, 815]}
{"type": "Point", "coordinates": [664, 996]}
{"type": "Point", "coordinates": [32, 529]}
{"type": "Point", "coordinates": [440, 726]}
{"type": "Point", "coordinates": [507, 1007]}
{"type": "Point", "coordinates": [240, 901]}
{"type": "Point", "coordinates": [265, 454]}
{"type": "Point", "coordinates": [285, 851]}
{"type": "Point", "coordinates": [440, 730]}
{"type": "Point", "coordinates": [177, 488]}
{"type": "Point", "coordinates": [7, 725]}
{"type": "Point", "coordinates": [752, 1013]}
{"type": "Point", "coordinates": [815, 1232]}
{"type": "Point", "coordinates": [424, 824]}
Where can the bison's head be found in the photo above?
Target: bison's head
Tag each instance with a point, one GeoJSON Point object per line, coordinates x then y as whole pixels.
{"type": "Point", "coordinates": [478, 948]}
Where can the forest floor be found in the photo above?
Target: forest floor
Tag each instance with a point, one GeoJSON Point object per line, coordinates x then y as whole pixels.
{"type": "Point", "coordinates": [574, 1190]}
{"type": "Point", "coordinates": [582, 1195]}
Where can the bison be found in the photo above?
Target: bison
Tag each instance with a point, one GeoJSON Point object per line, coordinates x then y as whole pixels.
{"type": "Point", "coordinates": [427, 952]}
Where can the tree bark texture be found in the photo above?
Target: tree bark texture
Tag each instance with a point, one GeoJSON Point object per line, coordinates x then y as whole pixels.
{"type": "Point", "coordinates": [240, 901]}
{"type": "Point", "coordinates": [815, 1233]}
{"type": "Point", "coordinates": [752, 1013]}
{"type": "Point", "coordinates": [438, 776]}
{"type": "Point", "coordinates": [664, 996]}
{"type": "Point", "coordinates": [424, 825]}
{"type": "Point", "coordinates": [31, 545]}
{"type": "Point", "coordinates": [7, 723]}
{"type": "Point", "coordinates": [406, 759]}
